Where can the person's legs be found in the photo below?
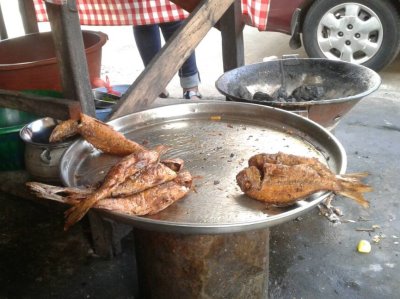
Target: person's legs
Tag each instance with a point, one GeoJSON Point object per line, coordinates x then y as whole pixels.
{"type": "Point", "coordinates": [148, 42]}
{"type": "Point", "coordinates": [188, 73]}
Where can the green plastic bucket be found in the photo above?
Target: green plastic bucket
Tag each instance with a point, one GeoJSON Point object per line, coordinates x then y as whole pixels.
{"type": "Point", "coordinates": [11, 145]}
{"type": "Point", "coordinates": [11, 122]}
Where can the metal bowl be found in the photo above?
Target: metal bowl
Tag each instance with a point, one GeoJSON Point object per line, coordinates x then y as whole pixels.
{"type": "Point", "coordinates": [42, 158]}
{"type": "Point", "coordinates": [344, 84]}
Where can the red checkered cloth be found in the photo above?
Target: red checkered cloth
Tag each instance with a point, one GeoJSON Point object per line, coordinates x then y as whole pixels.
{"type": "Point", "coordinates": [255, 13]}
{"type": "Point", "coordinates": [145, 12]}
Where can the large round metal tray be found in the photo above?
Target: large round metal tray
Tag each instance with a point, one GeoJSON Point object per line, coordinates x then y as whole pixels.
{"type": "Point", "coordinates": [215, 139]}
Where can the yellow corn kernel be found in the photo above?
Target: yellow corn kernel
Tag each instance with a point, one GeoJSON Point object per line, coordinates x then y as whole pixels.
{"type": "Point", "coordinates": [364, 246]}
{"type": "Point", "coordinates": [216, 117]}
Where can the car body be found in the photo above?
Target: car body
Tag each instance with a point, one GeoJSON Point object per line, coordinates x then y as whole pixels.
{"type": "Point", "coordinates": [280, 14]}
{"type": "Point", "coordinates": [364, 32]}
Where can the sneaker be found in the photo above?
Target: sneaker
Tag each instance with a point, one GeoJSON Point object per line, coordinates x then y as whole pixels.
{"type": "Point", "coordinates": [164, 94]}
{"type": "Point", "coordinates": [192, 95]}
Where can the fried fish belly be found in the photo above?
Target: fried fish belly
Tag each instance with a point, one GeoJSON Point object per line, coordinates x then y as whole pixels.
{"type": "Point", "coordinates": [282, 185]}
{"type": "Point", "coordinates": [100, 135]}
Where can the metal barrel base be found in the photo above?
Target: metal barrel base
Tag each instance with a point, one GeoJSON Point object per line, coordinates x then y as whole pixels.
{"type": "Point", "coordinates": [202, 266]}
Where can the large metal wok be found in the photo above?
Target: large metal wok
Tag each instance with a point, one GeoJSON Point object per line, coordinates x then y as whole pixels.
{"type": "Point", "coordinates": [344, 85]}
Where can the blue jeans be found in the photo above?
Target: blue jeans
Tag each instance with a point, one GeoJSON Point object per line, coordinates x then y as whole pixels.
{"type": "Point", "coordinates": [148, 41]}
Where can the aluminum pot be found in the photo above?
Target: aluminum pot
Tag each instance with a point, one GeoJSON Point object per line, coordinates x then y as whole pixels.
{"type": "Point", "coordinates": [42, 159]}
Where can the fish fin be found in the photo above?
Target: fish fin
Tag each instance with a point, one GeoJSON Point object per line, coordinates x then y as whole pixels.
{"type": "Point", "coordinates": [175, 164]}
{"type": "Point", "coordinates": [352, 188]}
{"type": "Point", "coordinates": [74, 199]}
{"type": "Point", "coordinates": [356, 196]}
{"type": "Point", "coordinates": [161, 149]}
{"type": "Point", "coordinates": [352, 182]}
{"type": "Point", "coordinates": [76, 213]}
{"type": "Point", "coordinates": [355, 175]}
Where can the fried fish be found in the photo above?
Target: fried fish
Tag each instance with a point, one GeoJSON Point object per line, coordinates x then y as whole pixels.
{"type": "Point", "coordinates": [125, 168]}
{"type": "Point", "coordinates": [281, 179]}
{"type": "Point", "coordinates": [152, 200]}
{"type": "Point", "coordinates": [147, 202]}
{"type": "Point", "coordinates": [100, 135]}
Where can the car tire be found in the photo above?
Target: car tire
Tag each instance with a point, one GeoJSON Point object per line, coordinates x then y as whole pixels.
{"type": "Point", "coordinates": [365, 32]}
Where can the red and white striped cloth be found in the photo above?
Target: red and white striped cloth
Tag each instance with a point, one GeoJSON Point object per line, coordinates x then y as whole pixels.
{"type": "Point", "coordinates": [145, 12]}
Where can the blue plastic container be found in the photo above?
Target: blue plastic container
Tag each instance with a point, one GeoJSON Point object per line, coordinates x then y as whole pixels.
{"type": "Point", "coordinates": [102, 114]}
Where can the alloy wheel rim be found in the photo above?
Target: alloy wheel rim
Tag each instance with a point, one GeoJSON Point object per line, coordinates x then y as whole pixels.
{"type": "Point", "coordinates": [350, 32]}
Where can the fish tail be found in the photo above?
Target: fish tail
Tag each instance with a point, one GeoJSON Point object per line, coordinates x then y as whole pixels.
{"type": "Point", "coordinates": [352, 182]}
{"type": "Point", "coordinates": [356, 196]}
{"type": "Point", "coordinates": [45, 191]}
{"type": "Point", "coordinates": [351, 187]}
{"type": "Point", "coordinates": [355, 175]}
{"type": "Point", "coordinates": [76, 213]}
{"type": "Point", "coordinates": [65, 195]}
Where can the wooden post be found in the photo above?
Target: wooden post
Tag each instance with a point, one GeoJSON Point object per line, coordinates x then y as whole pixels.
{"type": "Point", "coordinates": [70, 53]}
{"type": "Point", "coordinates": [231, 26]}
{"type": "Point", "coordinates": [39, 105]}
{"type": "Point", "coordinates": [107, 235]}
{"type": "Point", "coordinates": [171, 57]}
{"type": "Point", "coordinates": [28, 16]}
{"type": "Point", "coordinates": [3, 30]}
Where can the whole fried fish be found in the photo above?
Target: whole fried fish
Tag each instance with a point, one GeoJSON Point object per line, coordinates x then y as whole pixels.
{"type": "Point", "coordinates": [117, 174]}
{"type": "Point", "coordinates": [147, 202]}
{"type": "Point", "coordinates": [152, 200]}
{"type": "Point", "coordinates": [281, 179]}
{"type": "Point", "coordinates": [100, 135]}
{"type": "Point", "coordinates": [150, 176]}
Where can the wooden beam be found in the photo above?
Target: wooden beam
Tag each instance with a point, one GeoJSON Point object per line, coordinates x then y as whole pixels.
{"type": "Point", "coordinates": [70, 53]}
{"type": "Point", "coordinates": [231, 26]}
{"type": "Point", "coordinates": [189, 6]}
{"type": "Point", "coordinates": [3, 29]}
{"type": "Point", "coordinates": [164, 66]}
{"type": "Point", "coordinates": [28, 16]}
{"type": "Point", "coordinates": [40, 105]}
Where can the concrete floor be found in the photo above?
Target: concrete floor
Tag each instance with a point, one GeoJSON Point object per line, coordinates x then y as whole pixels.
{"type": "Point", "coordinates": [314, 258]}
{"type": "Point", "coordinates": [310, 257]}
